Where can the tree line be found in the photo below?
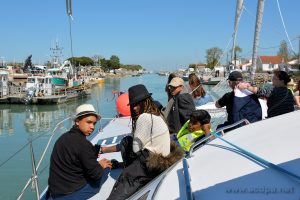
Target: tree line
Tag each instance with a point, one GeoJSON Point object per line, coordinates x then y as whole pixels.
{"type": "Point", "coordinates": [214, 54]}
{"type": "Point", "coordinates": [106, 64]}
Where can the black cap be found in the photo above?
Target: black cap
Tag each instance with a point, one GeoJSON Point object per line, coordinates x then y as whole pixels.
{"type": "Point", "coordinates": [235, 76]}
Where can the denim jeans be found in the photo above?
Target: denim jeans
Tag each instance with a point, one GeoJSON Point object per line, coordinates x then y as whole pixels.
{"type": "Point", "coordinates": [86, 192]}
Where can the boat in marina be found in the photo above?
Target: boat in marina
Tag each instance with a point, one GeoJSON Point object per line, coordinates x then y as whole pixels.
{"type": "Point", "coordinates": [212, 81]}
{"type": "Point", "coordinates": [53, 90]}
{"type": "Point", "coordinates": [4, 90]}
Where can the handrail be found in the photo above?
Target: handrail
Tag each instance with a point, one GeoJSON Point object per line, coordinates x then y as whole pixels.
{"type": "Point", "coordinates": [187, 179]}
{"type": "Point", "coordinates": [41, 159]}
{"type": "Point", "coordinates": [232, 125]}
{"type": "Point", "coordinates": [210, 136]}
{"type": "Point", "coordinates": [34, 173]}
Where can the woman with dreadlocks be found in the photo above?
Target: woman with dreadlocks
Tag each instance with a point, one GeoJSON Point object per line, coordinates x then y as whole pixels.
{"type": "Point", "coordinates": [146, 153]}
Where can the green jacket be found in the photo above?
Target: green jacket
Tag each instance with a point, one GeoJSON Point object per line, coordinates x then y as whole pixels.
{"type": "Point", "coordinates": [187, 139]}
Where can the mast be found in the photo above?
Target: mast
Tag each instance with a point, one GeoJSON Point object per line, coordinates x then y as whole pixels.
{"type": "Point", "coordinates": [56, 55]}
{"type": "Point", "coordinates": [259, 15]}
{"type": "Point", "coordinates": [239, 7]}
{"type": "Point", "coordinates": [299, 54]}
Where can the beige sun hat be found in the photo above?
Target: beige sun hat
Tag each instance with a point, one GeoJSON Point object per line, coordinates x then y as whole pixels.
{"type": "Point", "coordinates": [86, 109]}
{"type": "Point", "coordinates": [176, 81]}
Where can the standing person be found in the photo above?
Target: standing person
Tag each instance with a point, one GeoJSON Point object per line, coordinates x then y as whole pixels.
{"type": "Point", "coordinates": [181, 107]}
{"type": "Point", "coordinates": [148, 151]}
{"type": "Point", "coordinates": [75, 172]}
{"type": "Point", "coordinates": [200, 97]}
{"type": "Point", "coordinates": [280, 99]}
{"type": "Point", "coordinates": [240, 104]}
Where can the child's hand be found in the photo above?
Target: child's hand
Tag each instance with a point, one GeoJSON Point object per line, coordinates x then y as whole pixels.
{"type": "Point", "coordinates": [206, 128]}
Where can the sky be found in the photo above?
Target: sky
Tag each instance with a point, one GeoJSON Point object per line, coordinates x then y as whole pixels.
{"type": "Point", "coordinates": [156, 34]}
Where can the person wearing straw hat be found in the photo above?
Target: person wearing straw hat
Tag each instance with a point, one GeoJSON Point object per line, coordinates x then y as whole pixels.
{"type": "Point", "coordinates": [148, 151]}
{"type": "Point", "coordinates": [75, 172]}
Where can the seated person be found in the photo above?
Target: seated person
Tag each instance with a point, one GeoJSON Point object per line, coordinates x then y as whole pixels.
{"type": "Point", "coordinates": [280, 99]}
{"type": "Point", "coordinates": [74, 170]}
{"type": "Point", "coordinates": [240, 103]}
{"type": "Point", "coordinates": [196, 128]}
{"type": "Point", "coordinates": [296, 95]}
{"type": "Point", "coordinates": [200, 97]}
{"type": "Point", "coordinates": [148, 151]}
{"type": "Point", "coordinates": [295, 91]}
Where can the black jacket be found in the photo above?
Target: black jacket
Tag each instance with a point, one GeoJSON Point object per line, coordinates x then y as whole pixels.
{"type": "Point", "coordinates": [180, 112]}
{"type": "Point", "coordinates": [239, 108]}
{"type": "Point", "coordinates": [73, 163]}
{"type": "Point", "coordinates": [142, 170]}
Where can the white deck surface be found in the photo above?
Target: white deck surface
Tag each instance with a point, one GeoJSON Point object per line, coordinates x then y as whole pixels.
{"type": "Point", "coordinates": [112, 133]}
{"type": "Point", "coordinates": [218, 171]}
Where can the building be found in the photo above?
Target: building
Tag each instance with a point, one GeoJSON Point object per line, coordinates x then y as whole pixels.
{"type": "Point", "coordinates": [269, 63]}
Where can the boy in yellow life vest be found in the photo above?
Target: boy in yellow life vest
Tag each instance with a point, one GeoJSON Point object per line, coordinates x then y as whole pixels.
{"type": "Point", "coordinates": [196, 128]}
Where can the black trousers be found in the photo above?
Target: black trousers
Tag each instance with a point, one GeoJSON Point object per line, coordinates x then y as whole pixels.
{"type": "Point", "coordinates": [135, 174]}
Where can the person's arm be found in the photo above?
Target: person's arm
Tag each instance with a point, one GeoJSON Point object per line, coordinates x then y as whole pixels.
{"type": "Point", "coordinates": [108, 149]}
{"type": "Point", "coordinates": [248, 86]}
{"type": "Point", "coordinates": [297, 100]}
{"type": "Point", "coordinates": [222, 101]}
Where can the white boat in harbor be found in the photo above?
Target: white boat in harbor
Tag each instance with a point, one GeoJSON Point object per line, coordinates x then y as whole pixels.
{"type": "Point", "coordinates": [3, 86]}
{"type": "Point", "coordinates": [50, 89]}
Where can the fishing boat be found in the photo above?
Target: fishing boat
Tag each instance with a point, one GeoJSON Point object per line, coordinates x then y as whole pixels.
{"type": "Point", "coordinates": [50, 89]}
{"type": "Point", "coordinates": [4, 87]}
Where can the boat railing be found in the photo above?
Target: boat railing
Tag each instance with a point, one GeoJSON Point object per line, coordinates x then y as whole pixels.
{"type": "Point", "coordinates": [34, 178]}
{"type": "Point", "coordinates": [187, 179]}
{"type": "Point", "coordinates": [210, 136]}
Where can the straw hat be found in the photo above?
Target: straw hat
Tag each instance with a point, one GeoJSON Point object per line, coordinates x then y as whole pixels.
{"type": "Point", "coordinates": [176, 81]}
{"type": "Point", "coordinates": [86, 109]}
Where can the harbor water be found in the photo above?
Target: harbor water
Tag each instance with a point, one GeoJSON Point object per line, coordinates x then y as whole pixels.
{"type": "Point", "coordinates": [21, 125]}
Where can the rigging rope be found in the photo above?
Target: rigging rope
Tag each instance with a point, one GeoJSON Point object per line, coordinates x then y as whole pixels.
{"type": "Point", "coordinates": [259, 159]}
{"type": "Point", "coordinates": [287, 35]}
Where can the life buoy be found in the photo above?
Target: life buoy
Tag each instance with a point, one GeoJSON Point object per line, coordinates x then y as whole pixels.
{"type": "Point", "coordinates": [122, 105]}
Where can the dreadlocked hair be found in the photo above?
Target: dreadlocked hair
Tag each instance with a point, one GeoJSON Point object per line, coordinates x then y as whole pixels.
{"type": "Point", "coordinates": [147, 106]}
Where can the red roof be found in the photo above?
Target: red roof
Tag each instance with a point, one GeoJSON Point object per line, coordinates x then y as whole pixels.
{"type": "Point", "coordinates": [271, 59]}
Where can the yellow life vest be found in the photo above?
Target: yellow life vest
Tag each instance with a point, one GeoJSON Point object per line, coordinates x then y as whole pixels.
{"type": "Point", "coordinates": [187, 139]}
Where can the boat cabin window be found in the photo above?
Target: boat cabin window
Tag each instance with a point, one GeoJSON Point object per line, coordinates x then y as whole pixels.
{"type": "Point", "coordinates": [31, 80]}
{"type": "Point", "coordinates": [41, 80]}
